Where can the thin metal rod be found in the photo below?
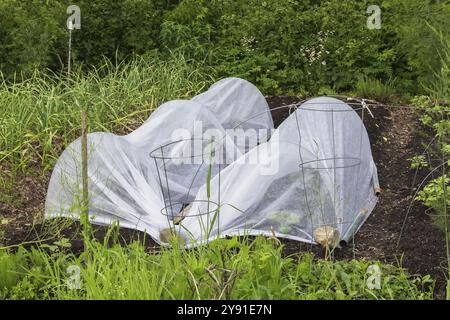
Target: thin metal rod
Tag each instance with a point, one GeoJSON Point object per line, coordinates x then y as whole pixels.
{"type": "Point", "coordinates": [167, 183]}
{"type": "Point", "coordinates": [162, 190]}
{"type": "Point", "coordinates": [303, 173]}
{"type": "Point", "coordinates": [334, 166]}
{"type": "Point", "coordinates": [70, 53]}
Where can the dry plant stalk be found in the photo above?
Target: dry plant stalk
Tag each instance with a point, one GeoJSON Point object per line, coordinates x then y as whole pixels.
{"type": "Point", "coordinates": [84, 162]}
{"type": "Point", "coordinates": [181, 215]}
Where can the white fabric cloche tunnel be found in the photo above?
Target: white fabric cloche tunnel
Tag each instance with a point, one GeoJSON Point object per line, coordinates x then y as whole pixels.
{"type": "Point", "coordinates": [187, 170]}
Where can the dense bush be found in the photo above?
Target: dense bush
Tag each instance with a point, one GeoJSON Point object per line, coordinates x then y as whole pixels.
{"type": "Point", "coordinates": [307, 45]}
{"type": "Point", "coordinates": [28, 33]}
{"type": "Point", "coordinates": [416, 45]}
{"type": "Point", "coordinates": [34, 35]}
{"type": "Point", "coordinates": [117, 29]}
{"type": "Point", "coordinates": [291, 44]}
{"type": "Point", "coordinates": [294, 46]}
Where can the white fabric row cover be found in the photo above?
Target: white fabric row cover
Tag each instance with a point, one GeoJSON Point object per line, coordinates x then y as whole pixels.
{"type": "Point", "coordinates": [314, 170]}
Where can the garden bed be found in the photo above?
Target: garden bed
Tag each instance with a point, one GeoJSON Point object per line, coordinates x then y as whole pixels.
{"type": "Point", "coordinates": [394, 136]}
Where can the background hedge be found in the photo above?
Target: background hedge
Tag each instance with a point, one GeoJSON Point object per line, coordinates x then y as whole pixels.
{"type": "Point", "coordinates": [296, 46]}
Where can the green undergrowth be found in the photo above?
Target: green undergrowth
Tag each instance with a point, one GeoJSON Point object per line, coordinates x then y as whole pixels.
{"type": "Point", "coordinates": [41, 115]}
{"type": "Point", "coordinates": [224, 269]}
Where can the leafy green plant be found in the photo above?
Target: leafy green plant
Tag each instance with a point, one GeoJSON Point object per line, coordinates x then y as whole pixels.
{"type": "Point", "coordinates": [436, 193]}
{"type": "Point", "coordinates": [418, 162]}
{"type": "Point", "coordinates": [329, 45]}
{"type": "Point", "coordinates": [433, 195]}
{"type": "Point", "coordinates": [28, 33]}
{"type": "Point", "coordinates": [284, 219]}
{"type": "Point", "coordinates": [289, 46]}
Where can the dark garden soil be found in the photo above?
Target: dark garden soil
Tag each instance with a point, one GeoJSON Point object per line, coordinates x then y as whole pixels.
{"type": "Point", "coordinates": [395, 136]}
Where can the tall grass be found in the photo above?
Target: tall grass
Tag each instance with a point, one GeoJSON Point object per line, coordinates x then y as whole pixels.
{"type": "Point", "coordinates": [375, 89]}
{"type": "Point", "coordinates": [41, 115]}
{"type": "Point", "coordinates": [225, 269]}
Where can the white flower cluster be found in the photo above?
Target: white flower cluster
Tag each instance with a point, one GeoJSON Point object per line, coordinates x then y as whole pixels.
{"type": "Point", "coordinates": [249, 43]}
{"type": "Point", "coordinates": [317, 52]}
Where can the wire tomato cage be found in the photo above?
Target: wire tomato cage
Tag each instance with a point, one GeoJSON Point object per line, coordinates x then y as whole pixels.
{"type": "Point", "coordinates": [183, 167]}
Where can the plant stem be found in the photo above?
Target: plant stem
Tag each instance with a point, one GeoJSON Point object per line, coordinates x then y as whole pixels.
{"type": "Point", "coordinates": [84, 176]}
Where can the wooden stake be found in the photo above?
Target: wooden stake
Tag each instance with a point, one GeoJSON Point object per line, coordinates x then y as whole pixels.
{"type": "Point", "coordinates": [84, 177]}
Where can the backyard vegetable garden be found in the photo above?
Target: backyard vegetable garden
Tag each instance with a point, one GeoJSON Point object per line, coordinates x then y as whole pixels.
{"type": "Point", "coordinates": [338, 189]}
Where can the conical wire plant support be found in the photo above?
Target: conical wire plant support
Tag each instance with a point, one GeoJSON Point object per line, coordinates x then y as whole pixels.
{"type": "Point", "coordinates": [335, 163]}
{"type": "Point", "coordinates": [183, 166]}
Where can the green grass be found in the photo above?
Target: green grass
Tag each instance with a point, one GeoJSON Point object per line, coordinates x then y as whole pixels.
{"type": "Point", "coordinates": [225, 269]}
{"type": "Point", "coordinates": [375, 89]}
{"type": "Point", "coordinates": [41, 115]}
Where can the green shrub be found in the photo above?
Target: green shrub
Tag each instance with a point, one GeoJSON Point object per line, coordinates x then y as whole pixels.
{"type": "Point", "coordinates": [435, 196]}
{"type": "Point", "coordinates": [416, 46]}
{"type": "Point", "coordinates": [116, 29]}
{"type": "Point", "coordinates": [301, 46]}
{"type": "Point", "coordinates": [289, 47]}
{"type": "Point", "coordinates": [34, 36]}
{"type": "Point", "coordinates": [28, 33]}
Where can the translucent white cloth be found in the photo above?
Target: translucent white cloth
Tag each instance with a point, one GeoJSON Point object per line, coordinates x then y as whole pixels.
{"type": "Point", "coordinates": [316, 170]}
{"type": "Point", "coordinates": [123, 179]}
{"type": "Point", "coordinates": [322, 175]}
